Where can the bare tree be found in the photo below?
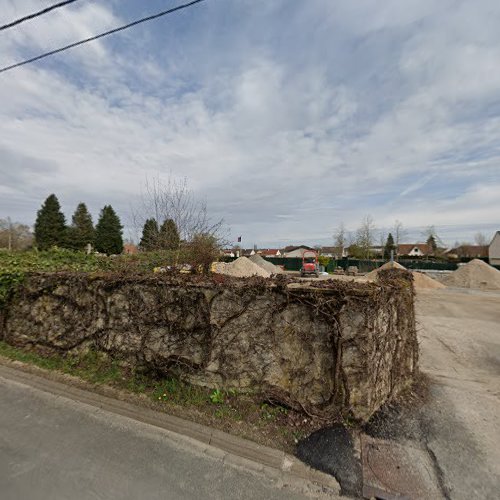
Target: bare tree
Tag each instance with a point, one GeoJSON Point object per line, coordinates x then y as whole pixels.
{"type": "Point", "coordinates": [365, 235]}
{"type": "Point", "coordinates": [382, 238]}
{"type": "Point", "coordinates": [430, 233]}
{"type": "Point", "coordinates": [14, 236]}
{"type": "Point", "coordinates": [173, 200]}
{"type": "Point", "coordinates": [399, 232]}
{"type": "Point", "coordinates": [340, 238]}
{"type": "Point", "coordinates": [480, 239]}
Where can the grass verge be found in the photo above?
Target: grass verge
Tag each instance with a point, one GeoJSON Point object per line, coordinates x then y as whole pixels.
{"type": "Point", "coordinates": [239, 414]}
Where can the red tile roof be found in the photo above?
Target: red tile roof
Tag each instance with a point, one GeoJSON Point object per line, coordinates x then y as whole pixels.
{"type": "Point", "coordinates": [471, 251]}
{"type": "Point", "coordinates": [406, 248]}
{"type": "Point", "coordinates": [268, 251]}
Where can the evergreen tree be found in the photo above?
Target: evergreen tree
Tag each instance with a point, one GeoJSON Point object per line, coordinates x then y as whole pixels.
{"type": "Point", "coordinates": [431, 243]}
{"type": "Point", "coordinates": [169, 235]}
{"type": "Point", "coordinates": [389, 245]}
{"type": "Point", "coordinates": [50, 225]}
{"type": "Point", "coordinates": [81, 232]}
{"type": "Point", "coordinates": [108, 232]}
{"type": "Point", "coordinates": [150, 234]}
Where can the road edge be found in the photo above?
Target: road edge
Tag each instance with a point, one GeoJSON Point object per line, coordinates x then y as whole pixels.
{"type": "Point", "coordinates": [237, 451]}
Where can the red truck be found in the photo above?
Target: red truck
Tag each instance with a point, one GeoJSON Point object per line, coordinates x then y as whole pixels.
{"type": "Point", "coordinates": [310, 265]}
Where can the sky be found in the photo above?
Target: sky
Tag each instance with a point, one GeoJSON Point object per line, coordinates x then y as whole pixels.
{"type": "Point", "coordinates": [287, 116]}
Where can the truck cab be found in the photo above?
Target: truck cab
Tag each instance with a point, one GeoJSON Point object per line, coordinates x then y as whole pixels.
{"type": "Point", "coordinates": [310, 265]}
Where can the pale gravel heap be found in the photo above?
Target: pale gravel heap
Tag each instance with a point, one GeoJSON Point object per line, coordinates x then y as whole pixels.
{"type": "Point", "coordinates": [240, 268]}
{"type": "Point", "coordinates": [265, 264]}
{"type": "Point", "coordinates": [388, 265]}
{"type": "Point", "coordinates": [421, 280]}
{"type": "Point", "coordinates": [475, 274]}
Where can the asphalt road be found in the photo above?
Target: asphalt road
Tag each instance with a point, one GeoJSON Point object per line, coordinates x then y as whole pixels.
{"type": "Point", "coordinates": [54, 448]}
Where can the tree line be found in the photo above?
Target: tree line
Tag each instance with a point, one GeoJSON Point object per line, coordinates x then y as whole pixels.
{"type": "Point", "coordinates": [51, 229]}
{"type": "Point", "coordinates": [361, 242]}
{"type": "Point", "coordinates": [106, 237]}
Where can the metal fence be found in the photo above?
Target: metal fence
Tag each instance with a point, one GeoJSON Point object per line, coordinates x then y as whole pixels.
{"type": "Point", "coordinates": [364, 266]}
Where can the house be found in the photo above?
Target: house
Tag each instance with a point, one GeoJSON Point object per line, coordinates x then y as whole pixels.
{"type": "Point", "coordinates": [270, 252]}
{"type": "Point", "coordinates": [130, 249]}
{"type": "Point", "coordinates": [469, 252]}
{"type": "Point", "coordinates": [333, 252]}
{"type": "Point", "coordinates": [228, 252]}
{"type": "Point", "coordinates": [247, 252]}
{"type": "Point", "coordinates": [297, 251]}
{"type": "Point", "coordinates": [494, 250]}
{"type": "Point", "coordinates": [414, 249]}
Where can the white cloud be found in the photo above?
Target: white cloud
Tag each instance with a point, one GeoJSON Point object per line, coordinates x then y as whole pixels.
{"type": "Point", "coordinates": [284, 144]}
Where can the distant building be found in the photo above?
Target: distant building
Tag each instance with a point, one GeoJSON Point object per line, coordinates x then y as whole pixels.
{"type": "Point", "coordinates": [469, 252]}
{"type": "Point", "coordinates": [333, 252]}
{"type": "Point", "coordinates": [130, 249]}
{"type": "Point", "coordinates": [494, 250]}
{"type": "Point", "coordinates": [377, 251]}
{"type": "Point", "coordinates": [247, 252]}
{"type": "Point", "coordinates": [298, 251]}
{"type": "Point", "coordinates": [414, 249]}
{"type": "Point", "coordinates": [228, 252]}
{"type": "Point", "coordinates": [270, 252]}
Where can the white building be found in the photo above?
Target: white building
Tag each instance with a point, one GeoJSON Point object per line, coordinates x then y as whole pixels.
{"type": "Point", "coordinates": [494, 250]}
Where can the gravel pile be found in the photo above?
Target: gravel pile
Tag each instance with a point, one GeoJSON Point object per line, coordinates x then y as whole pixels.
{"type": "Point", "coordinates": [265, 264]}
{"type": "Point", "coordinates": [388, 265]}
{"type": "Point", "coordinates": [240, 268]}
{"type": "Point", "coordinates": [421, 280]}
{"type": "Point", "coordinates": [475, 274]}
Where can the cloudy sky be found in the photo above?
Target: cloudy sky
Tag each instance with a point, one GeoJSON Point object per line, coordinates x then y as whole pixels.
{"type": "Point", "coordinates": [287, 116]}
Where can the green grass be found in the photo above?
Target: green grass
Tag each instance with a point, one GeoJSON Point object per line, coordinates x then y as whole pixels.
{"type": "Point", "coordinates": [98, 368]}
{"type": "Point", "coordinates": [243, 414]}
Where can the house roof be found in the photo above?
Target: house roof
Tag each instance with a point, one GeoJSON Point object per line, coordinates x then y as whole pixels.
{"type": "Point", "coordinates": [130, 248]}
{"type": "Point", "coordinates": [330, 249]}
{"type": "Point", "coordinates": [292, 248]}
{"type": "Point", "coordinates": [471, 250]}
{"type": "Point", "coordinates": [269, 251]}
{"type": "Point", "coordinates": [406, 248]}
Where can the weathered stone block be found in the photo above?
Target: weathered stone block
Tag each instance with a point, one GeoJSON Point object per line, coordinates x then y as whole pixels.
{"type": "Point", "coordinates": [326, 347]}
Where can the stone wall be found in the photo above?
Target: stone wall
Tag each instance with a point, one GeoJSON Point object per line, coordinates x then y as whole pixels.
{"type": "Point", "coordinates": [324, 348]}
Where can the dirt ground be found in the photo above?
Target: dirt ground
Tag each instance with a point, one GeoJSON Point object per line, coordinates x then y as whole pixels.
{"type": "Point", "coordinates": [459, 333]}
{"type": "Point", "coordinates": [453, 415]}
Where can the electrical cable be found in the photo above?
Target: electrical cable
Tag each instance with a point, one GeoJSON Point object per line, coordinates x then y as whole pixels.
{"type": "Point", "coordinates": [35, 14]}
{"type": "Point", "coordinates": [101, 35]}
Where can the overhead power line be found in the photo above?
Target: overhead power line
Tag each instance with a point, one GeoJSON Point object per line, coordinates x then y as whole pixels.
{"type": "Point", "coordinates": [101, 35]}
{"type": "Point", "coordinates": [36, 14]}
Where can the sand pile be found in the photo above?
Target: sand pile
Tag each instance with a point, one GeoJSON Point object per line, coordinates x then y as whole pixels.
{"type": "Point", "coordinates": [475, 274]}
{"type": "Point", "coordinates": [388, 265]}
{"type": "Point", "coordinates": [265, 264]}
{"type": "Point", "coordinates": [421, 280]}
{"type": "Point", "coordinates": [241, 268]}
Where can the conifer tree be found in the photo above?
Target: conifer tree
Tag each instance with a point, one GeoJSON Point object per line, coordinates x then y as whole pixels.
{"type": "Point", "coordinates": [431, 244]}
{"type": "Point", "coordinates": [150, 234]}
{"type": "Point", "coordinates": [108, 232]}
{"type": "Point", "coordinates": [389, 245]}
{"type": "Point", "coordinates": [50, 225]}
{"type": "Point", "coordinates": [169, 235]}
{"type": "Point", "coordinates": [81, 232]}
